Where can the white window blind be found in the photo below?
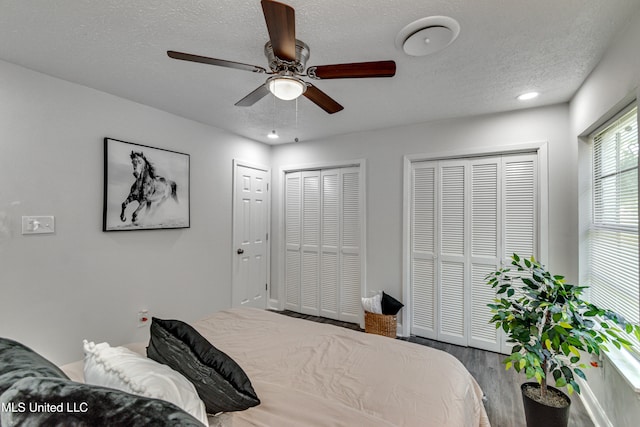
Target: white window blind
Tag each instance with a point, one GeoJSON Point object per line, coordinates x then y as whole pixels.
{"type": "Point", "coordinates": [613, 238]}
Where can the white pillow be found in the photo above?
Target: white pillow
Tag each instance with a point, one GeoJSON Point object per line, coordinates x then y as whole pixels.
{"type": "Point", "coordinates": [373, 304]}
{"type": "Point", "coordinates": [126, 370]}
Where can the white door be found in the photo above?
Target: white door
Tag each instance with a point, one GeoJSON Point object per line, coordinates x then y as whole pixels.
{"type": "Point", "coordinates": [467, 216]}
{"type": "Point", "coordinates": [451, 257]}
{"type": "Point", "coordinates": [485, 236]}
{"type": "Point", "coordinates": [323, 261]}
{"type": "Point", "coordinates": [250, 236]}
{"type": "Point", "coordinates": [423, 223]}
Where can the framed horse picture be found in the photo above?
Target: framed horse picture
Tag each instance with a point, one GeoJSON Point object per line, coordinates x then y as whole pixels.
{"type": "Point", "coordinates": [145, 188]}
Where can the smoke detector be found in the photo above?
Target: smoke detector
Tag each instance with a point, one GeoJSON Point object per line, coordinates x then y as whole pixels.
{"type": "Point", "coordinates": [427, 35]}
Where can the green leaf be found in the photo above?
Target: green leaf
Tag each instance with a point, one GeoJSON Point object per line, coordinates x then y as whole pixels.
{"type": "Point", "coordinates": [565, 325]}
{"type": "Point", "coordinates": [567, 373]}
{"type": "Point", "coordinates": [507, 366]}
{"type": "Point", "coordinates": [523, 362]}
{"type": "Point", "coordinates": [574, 350]}
{"type": "Point", "coordinates": [561, 382]}
{"type": "Point", "coordinates": [570, 388]}
{"type": "Point", "coordinates": [576, 387]}
{"type": "Point", "coordinates": [538, 376]}
{"type": "Point", "coordinates": [528, 282]}
{"type": "Point", "coordinates": [580, 373]}
{"type": "Point", "coordinates": [530, 372]}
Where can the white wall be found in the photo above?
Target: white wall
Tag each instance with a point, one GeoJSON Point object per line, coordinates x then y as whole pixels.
{"type": "Point", "coordinates": [80, 282]}
{"type": "Point", "coordinates": [384, 151]}
{"type": "Point", "coordinates": [611, 86]}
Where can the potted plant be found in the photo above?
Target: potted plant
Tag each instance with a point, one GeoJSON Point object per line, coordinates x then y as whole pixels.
{"type": "Point", "coordinates": [549, 325]}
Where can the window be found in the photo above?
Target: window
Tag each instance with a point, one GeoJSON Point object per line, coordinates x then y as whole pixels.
{"type": "Point", "coordinates": [613, 236]}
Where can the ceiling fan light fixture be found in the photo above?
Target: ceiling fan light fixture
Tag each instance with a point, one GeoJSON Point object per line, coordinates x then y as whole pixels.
{"type": "Point", "coordinates": [286, 88]}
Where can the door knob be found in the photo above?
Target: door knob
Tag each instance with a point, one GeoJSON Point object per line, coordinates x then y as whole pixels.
{"type": "Point", "coordinates": [240, 251]}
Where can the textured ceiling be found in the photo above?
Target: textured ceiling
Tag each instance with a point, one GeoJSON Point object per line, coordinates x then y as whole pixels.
{"type": "Point", "coordinates": [505, 47]}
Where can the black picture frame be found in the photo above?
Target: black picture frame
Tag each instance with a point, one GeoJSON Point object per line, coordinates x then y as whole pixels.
{"type": "Point", "coordinates": [145, 188]}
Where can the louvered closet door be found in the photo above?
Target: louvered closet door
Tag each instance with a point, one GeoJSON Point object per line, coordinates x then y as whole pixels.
{"type": "Point", "coordinates": [423, 219]}
{"type": "Point", "coordinates": [467, 216]}
{"type": "Point", "coordinates": [311, 214]}
{"type": "Point", "coordinates": [452, 255]}
{"type": "Point", "coordinates": [520, 215]}
{"type": "Point", "coordinates": [485, 249]}
{"type": "Point", "coordinates": [520, 206]}
{"type": "Point", "coordinates": [350, 251]}
{"type": "Point", "coordinates": [323, 230]}
{"type": "Point", "coordinates": [330, 256]}
{"type": "Point", "coordinates": [293, 239]}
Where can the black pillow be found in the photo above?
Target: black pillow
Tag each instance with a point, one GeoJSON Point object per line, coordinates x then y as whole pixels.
{"type": "Point", "coordinates": [19, 361]}
{"type": "Point", "coordinates": [221, 383]}
{"type": "Point", "coordinates": [390, 305]}
{"type": "Point", "coordinates": [60, 402]}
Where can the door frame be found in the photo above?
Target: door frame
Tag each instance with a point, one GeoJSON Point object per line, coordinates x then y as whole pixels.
{"type": "Point", "coordinates": [242, 163]}
{"type": "Point", "coordinates": [279, 304]}
{"type": "Point", "coordinates": [539, 147]}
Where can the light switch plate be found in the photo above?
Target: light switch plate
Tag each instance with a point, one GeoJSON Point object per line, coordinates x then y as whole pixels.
{"type": "Point", "coordinates": [38, 224]}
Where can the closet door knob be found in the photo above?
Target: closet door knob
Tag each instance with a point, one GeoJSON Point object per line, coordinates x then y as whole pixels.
{"type": "Point", "coordinates": [240, 251]}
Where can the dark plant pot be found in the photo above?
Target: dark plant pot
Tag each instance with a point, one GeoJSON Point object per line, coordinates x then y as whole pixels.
{"type": "Point", "coordinates": [541, 415]}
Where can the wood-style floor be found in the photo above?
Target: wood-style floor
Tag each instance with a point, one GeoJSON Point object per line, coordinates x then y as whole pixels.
{"type": "Point", "coordinates": [503, 401]}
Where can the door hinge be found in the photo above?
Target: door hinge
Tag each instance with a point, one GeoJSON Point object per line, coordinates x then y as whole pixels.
{"type": "Point", "coordinates": [266, 286]}
{"type": "Point", "coordinates": [267, 236]}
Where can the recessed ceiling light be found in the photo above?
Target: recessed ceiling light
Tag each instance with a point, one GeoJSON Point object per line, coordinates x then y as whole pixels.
{"type": "Point", "coordinates": [527, 96]}
{"type": "Point", "coordinates": [273, 135]}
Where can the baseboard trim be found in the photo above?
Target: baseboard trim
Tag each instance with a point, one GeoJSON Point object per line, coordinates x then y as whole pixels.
{"type": "Point", "coordinates": [592, 406]}
{"type": "Point", "coordinates": [273, 304]}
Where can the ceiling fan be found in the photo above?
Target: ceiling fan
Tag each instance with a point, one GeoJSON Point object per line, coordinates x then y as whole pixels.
{"type": "Point", "coordinates": [287, 58]}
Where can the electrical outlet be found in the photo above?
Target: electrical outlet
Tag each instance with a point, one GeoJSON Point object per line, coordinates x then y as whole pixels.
{"type": "Point", "coordinates": [143, 318]}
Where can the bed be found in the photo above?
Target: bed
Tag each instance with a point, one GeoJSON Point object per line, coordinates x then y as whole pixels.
{"type": "Point", "coordinates": [315, 374]}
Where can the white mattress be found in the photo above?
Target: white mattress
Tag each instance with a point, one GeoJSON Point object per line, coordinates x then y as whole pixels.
{"type": "Point", "coordinates": [314, 374]}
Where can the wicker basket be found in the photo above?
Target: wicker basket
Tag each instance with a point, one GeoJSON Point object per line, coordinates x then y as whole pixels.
{"type": "Point", "coordinates": [380, 324]}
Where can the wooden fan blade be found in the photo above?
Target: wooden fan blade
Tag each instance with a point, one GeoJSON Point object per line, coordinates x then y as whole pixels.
{"type": "Point", "coordinates": [253, 97]}
{"type": "Point", "coordinates": [281, 26]}
{"type": "Point", "coordinates": [322, 100]}
{"type": "Point", "coordinates": [354, 70]}
{"type": "Point", "coordinates": [213, 61]}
